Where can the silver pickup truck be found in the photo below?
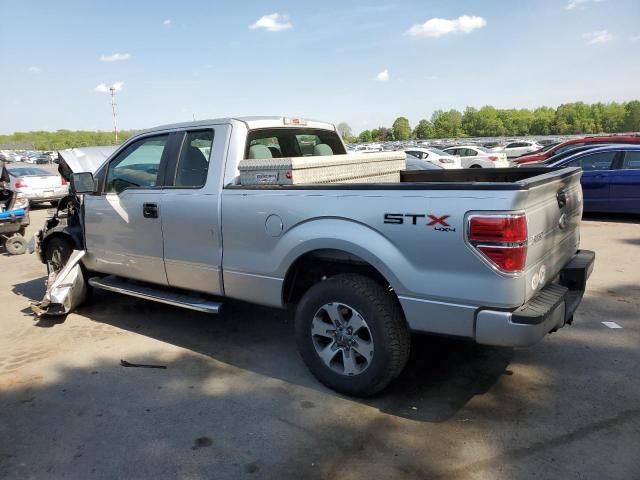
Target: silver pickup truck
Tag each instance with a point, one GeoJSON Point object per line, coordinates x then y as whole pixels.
{"type": "Point", "coordinates": [489, 255]}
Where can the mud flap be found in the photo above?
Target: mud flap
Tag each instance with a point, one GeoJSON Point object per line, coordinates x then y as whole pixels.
{"type": "Point", "coordinates": [65, 290]}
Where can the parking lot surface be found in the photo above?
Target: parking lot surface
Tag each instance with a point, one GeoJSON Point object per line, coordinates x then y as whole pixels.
{"type": "Point", "coordinates": [236, 401]}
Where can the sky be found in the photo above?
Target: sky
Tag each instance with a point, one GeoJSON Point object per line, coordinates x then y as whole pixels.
{"type": "Point", "coordinates": [363, 62]}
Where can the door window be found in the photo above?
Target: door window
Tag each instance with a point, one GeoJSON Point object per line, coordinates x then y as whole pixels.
{"type": "Point", "coordinates": [193, 163]}
{"type": "Point", "coordinates": [137, 166]}
{"type": "Point", "coordinates": [467, 152]}
{"type": "Point", "coordinates": [596, 161]}
{"type": "Point", "coordinates": [631, 161]}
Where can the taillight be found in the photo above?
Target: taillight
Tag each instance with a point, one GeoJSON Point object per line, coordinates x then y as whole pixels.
{"type": "Point", "coordinates": [493, 158]}
{"type": "Point", "coordinates": [501, 239]}
{"type": "Point", "coordinates": [21, 183]}
{"type": "Point", "coordinates": [445, 160]}
{"type": "Point", "coordinates": [64, 181]}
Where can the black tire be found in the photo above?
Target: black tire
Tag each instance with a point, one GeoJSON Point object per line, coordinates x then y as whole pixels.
{"type": "Point", "coordinates": [384, 320]}
{"type": "Point", "coordinates": [16, 245]}
{"type": "Point", "coordinates": [55, 203]}
{"type": "Point", "coordinates": [475, 166]}
{"type": "Point", "coordinates": [57, 253]}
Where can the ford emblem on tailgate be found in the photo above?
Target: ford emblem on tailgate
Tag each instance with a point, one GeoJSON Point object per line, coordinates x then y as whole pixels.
{"type": "Point", "coordinates": [563, 221]}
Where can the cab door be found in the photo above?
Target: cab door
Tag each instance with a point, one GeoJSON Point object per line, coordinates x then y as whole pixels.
{"type": "Point", "coordinates": [191, 210]}
{"type": "Point", "coordinates": [123, 230]}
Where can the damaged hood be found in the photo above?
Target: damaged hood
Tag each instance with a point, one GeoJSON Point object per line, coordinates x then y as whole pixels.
{"type": "Point", "coordinates": [4, 175]}
{"type": "Point", "coordinates": [84, 159]}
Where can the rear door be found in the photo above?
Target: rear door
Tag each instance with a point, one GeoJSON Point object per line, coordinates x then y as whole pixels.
{"type": "Point", "coordinates": [191, 210]}
{"type": "Point", "coordinates": [624, 184]}
{"type": "Point", "coordinates": [122, 220]}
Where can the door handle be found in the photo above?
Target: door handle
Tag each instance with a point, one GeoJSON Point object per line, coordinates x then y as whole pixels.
{"type": "Point", "coordinates": [150, 210]}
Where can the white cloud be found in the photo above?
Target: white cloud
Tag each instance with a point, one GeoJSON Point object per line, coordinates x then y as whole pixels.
{"type": "Point", "coordinates": [383, 76]}
{"type": "Point", "coordinates": [103, 88]}
{"type": "Point", "coordinates": [573, 4]}
{"type": "Point", "coordinates": [116, 57]}
{"type": "Point", "coordinates": [167, 22]}
{"type": "Point", "coordinates": [34, 69]}
{"type": "Point", "coordinates": [598, 38]}
{"type": "Point", "coordinates": [436, 27]}
{"type": "Point", "coordinates": [274, 22]}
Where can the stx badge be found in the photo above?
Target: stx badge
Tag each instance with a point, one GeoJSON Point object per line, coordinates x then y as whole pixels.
{"type": "Point", "coordinates": [437, 222]}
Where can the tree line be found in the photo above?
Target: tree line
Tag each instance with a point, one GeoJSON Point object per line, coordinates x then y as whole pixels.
{"type": "Point", "coordinates": [488, 121]}
{"type": "Point", "coordinates": [61, 139]}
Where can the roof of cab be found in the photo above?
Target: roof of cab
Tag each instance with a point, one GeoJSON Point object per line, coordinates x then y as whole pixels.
{"type": "Point", "coordinates": [251, 123]}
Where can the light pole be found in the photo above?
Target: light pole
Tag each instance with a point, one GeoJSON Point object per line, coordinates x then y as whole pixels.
{"type": "Point", "coordinates": [113, 90]}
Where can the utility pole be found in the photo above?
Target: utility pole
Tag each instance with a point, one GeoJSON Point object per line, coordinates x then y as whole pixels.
{"type": "Point", "coordinates": [112, 89]}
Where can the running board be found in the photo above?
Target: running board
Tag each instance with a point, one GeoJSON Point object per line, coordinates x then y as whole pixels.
{"type": "Point", "coordinates": [155, 294]}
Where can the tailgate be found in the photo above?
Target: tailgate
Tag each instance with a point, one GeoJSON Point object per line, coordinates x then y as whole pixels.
{"type": "Point", "coordinates": [553, 209]}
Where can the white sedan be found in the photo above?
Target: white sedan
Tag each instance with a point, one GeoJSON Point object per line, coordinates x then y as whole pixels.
{"type": "Point", "coordinates": [517, 149]}
{"type": "Point", "coordinates": [37, 184]}
{"type": "Point", "coordinates": [435, 156]}
{"type": "Point", "coordinates": [474, 156]}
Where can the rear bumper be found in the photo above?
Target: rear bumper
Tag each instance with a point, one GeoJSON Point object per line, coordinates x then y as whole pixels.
{"type": "Point", "coordinates": [549, 310]}
{"type": "Point", "coordinates": [44, 195]}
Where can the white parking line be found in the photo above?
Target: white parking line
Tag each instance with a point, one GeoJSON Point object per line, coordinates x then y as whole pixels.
{"type": "Point", "coordinates": [611, 324]}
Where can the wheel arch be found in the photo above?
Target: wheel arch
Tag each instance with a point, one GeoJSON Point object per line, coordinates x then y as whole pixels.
{"type": "Point", "coordinates": [317, 264]}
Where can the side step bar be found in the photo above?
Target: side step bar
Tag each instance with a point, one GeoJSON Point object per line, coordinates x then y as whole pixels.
{"type": "Point", "coordinates": [155, 294]}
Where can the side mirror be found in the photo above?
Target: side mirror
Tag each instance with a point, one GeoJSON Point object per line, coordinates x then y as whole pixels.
{"type": "Point", "coordinates": [84, 182]}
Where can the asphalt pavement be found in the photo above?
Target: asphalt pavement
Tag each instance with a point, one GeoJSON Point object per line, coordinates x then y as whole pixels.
{"type": "Point", "coordinates": [236, 401]}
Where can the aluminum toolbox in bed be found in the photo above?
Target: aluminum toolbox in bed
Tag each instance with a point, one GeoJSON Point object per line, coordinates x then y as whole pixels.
{"type": "Point", "coordinates": [381, 167]}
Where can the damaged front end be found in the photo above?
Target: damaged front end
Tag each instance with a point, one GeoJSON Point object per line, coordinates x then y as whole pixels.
{"type": "Point", "coordinates": [60, 243]}
{"type": "Point", "coordinates": [66, 288]}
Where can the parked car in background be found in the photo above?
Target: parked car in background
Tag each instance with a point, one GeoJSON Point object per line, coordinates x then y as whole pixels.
{"type": "Point", "coordinates": [474, 156]}
{"type": "Point", "coordinates": [519, 148]}
{"type": "Point", "coordinates": [435, 156]}
{"type": "Point", "coordinates": [610, 178]}
{"type": "Point", "coordinates": [561, 156]}
{"type": "Point", "coordinates": [415, 163]}
{"type": "Point", "coordinates": [574, 143]}
{"type": "Point", "coordinates": [37, 184]}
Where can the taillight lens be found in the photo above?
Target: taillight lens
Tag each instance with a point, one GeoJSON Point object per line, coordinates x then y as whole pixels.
{"type": "Point", "coordinates": [445, 160]}
{"type": "Point", "coordinates": [501, 239]}
{"type": "Point", "coordinates": [493, 158]}
{"type": "Point", "coordinates": [498, 229]}
{"type": "Point", "coordinates": [509, 259]}
{"type": "Point", "coordinates": [21, 183]}
{"type": "Point", "coordinates": [64, 181]}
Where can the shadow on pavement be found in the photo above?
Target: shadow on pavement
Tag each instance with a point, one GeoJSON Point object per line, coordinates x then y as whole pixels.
{"type": "Point", "coordinates": [442, 374]}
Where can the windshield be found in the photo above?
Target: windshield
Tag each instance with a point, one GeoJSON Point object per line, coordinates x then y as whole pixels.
{"type": "Point", "coordinates": [27, 171]}
{"type": "Point", "coordinates": [437, 151]}
{"type": "Point", "coordinates": [484, 150]}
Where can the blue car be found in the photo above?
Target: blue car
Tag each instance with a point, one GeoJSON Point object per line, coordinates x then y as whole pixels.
{"type": "Point", "coordinates": [610, 178]}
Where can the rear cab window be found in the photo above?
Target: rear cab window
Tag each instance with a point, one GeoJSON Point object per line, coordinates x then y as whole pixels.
{"type": "Point", "coordinates": [292, 142]}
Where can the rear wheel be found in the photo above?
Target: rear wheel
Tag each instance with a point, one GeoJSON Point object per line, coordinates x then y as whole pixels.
{"type": "Point", "coordinates": [475, 166]}
{"type": "Point", "coordinates": [16, 245]}
{"type": "Point", "coordinates": [351, 333]}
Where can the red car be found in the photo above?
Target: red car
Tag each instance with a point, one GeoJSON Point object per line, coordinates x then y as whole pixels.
{"type": "Point", "coordinates": [573, 143]}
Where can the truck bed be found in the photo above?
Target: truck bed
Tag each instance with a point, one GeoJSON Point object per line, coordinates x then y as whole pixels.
{"type": "Point", "coordinates": [462, 179]}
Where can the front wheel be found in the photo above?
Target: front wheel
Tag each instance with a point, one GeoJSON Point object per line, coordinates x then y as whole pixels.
{"type": "Point", "coordinates": [57, 253]}
{"type": "Point", "coordinates": [352, 335]}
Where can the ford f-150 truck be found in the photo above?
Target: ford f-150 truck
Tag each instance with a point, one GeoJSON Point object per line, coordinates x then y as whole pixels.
{"type": "Point", "coordinates": [491, 255]}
